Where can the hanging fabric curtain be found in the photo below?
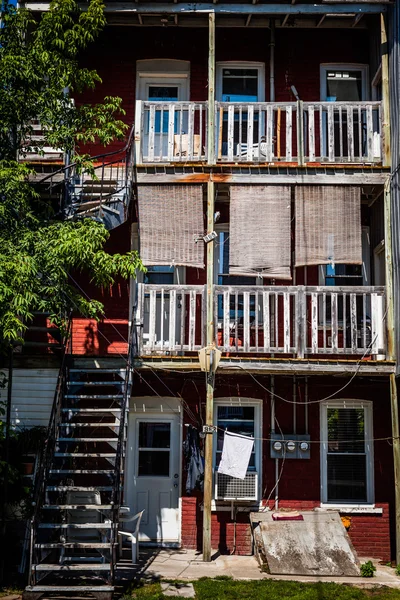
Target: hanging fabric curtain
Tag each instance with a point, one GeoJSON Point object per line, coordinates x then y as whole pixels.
{"type": "Point", "coordinates": [259, 234]}
{"type": "Point", "coordinates": [328, 225]}
{"type": "Point", "coordinates": [170, 221]}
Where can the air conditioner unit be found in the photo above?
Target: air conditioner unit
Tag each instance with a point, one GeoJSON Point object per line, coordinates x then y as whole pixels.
{"type": "Point", "coordinates": [231, 488]}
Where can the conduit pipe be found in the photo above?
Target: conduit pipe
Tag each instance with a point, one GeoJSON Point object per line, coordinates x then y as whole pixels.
{"type": "Point", "coordinates": [272, 62]}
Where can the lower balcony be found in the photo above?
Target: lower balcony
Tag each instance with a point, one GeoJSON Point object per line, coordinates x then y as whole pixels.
{"type": "Point", "coordinates": [292, 321]}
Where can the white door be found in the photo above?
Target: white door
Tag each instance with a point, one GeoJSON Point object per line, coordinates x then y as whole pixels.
{"type": "Point", "coordinates": [164, 89]}
{"type": "Point", "coordinates": [153, 476]}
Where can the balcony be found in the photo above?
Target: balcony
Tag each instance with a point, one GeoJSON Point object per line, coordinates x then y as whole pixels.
{"type": "Point", "coordinates": [296, 133]}
{"type": "Point", "coordinates": [316, 322]}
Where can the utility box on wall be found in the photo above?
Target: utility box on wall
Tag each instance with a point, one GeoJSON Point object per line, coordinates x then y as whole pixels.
{"type": "Point", "coordinates": [290, 445]}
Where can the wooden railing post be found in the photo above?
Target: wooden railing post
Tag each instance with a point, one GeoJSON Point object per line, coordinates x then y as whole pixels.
{"type": "Point", "coordinates": [138, 131]}
{"type": "Point", "coordinates": [300, 134]}
{"type": "Point", "coordinates": [211, 90]}
{"type": "Point", "coordinates": [385, 94]}
{"type": "Point", "coordinates": [301, 321]}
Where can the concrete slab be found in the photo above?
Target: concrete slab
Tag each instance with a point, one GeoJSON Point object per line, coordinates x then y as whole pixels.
{"type": "Point", "coordinates": [178, 590]}
{"type": "Point", "coordinates": [159, 564]}
{"type": "Point", "coordinates": [318, 545]}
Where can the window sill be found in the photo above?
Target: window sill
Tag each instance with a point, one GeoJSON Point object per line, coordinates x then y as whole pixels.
{"type": "Point", "coordinates": [365, 509]}
{"type": "Point", "coordinates": [241, 506]}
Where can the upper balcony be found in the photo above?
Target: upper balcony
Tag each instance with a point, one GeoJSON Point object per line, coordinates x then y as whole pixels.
{"type": "Point", "coordinates": [273, 133]}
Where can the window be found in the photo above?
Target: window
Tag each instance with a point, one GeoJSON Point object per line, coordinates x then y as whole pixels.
{"type": "Point", "coordinates": [346, 452]}
{"type": "Point", "coordinates": [347, 275]}
{"type": "Point", "coordinates": [240, 82]}
{"type": "Point", "coordinates": [341, 82]}
{"type": "Point", "coordinates": [154, 446]}
{"type": "Point", "coordinates": [222, 277]}
{"type": "Point", "coordinates": [159, 275]}
{"type": "Point", "coordinates": [238, 415]}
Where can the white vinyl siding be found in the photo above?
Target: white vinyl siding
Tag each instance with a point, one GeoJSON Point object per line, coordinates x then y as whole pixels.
{"type": "Point", "coordinates": [32, 396]}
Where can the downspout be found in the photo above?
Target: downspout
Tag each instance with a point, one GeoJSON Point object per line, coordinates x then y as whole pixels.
{"type": "Point", "coordinates": [273, 431]}
{"type": "Point", "coordinates": [272, 62]}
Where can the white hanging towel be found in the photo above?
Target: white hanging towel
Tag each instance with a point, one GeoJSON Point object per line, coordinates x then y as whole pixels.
{"type": "Point", "coordinates": [236, 453]}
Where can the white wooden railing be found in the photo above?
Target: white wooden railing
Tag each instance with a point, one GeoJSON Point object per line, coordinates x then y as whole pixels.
{"type": "Point", "coordinates": [261, 132]}
{"type": "Point", "coordinates": [171, 131]}
{"type": "Point", "coordinates": [342, 132]}
{"type": "Point", "coordinates": [170, 318]}
{"type": "Point", "coordinates": [291, 320]}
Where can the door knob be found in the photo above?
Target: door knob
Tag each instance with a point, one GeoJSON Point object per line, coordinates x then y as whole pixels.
{"type": "Point", "coordinates": [175, 485]}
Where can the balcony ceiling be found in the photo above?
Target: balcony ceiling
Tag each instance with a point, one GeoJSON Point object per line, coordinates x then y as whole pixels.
{"type": "Point", "coordinates": [307, 14]}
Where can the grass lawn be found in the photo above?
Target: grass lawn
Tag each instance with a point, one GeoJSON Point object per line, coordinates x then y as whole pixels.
{"type": "Point", "coordinates": [228, 589]}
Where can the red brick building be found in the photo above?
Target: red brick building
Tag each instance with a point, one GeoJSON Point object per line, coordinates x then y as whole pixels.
{"type": "Point", "coordinates": [282, 133]}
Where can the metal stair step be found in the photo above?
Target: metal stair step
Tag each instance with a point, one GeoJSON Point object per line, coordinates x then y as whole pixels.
{"type": "Point", "coordinates": [95, 382]}
{"type": "Point", "coordinates": [69, 440]}
{"type": "Point", "coordinates": [75, 525]}
{"type": "Point", "coordinates": [95, 396]}
{"type": "Point", "coordinates": [94, 425]}
{"type": "Point", "coordinates": [85, 454]}
{"type": "Point", "coordinates": [78, 488]}
{"type": "Point", "coordinates": [78, 506]}
{"type": "Point", "coordinates": [90, 410]}
{"type": "Point", "coordinates": [82, 471]}
{"type": "Point", "coordinates": [83, 567]}
{"type": "Point", "coordinates": [89, 545]}
{"type": "Point", "coordinates": [96, 370]}
{"type": "Point", "coordinates": [69, 588]}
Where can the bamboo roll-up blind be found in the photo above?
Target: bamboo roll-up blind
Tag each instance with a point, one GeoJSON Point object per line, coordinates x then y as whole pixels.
{"type": "Point", "coordinates": [259, 233]}
{"type": "Point", "coordinates": [170, 222]}
{"type": "Point", "coordinates": [328, 225]}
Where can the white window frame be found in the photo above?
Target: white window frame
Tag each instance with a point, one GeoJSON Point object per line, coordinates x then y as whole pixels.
{"type": "Point", "coordinates": [366, 264]}
{"type": "Point", "coordinates": [324, 67]}
{"type": "Point", "coordinates": [369, 450]}
{"type": "Point", "coordinates": [260, 66]}
{"type": "Point", "coordinates": [163, 71]}
{"type": "Point", "coordinates": [257, 404]}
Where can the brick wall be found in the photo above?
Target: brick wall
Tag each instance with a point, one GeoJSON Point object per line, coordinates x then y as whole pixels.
{"type": "Point", "coordinates": [299, 54]}
{"type": "Point", "coordinates": [109, 334]}
{"type": "Point", "coordinates": [299, 486]}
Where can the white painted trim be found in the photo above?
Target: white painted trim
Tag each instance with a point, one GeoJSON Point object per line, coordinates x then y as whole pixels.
{"type": "Point", "coordinates": [369, 447]}
{"type": "Point", "coordinates": [144, 408]}
{"type": "Point", "coordinates": [324, 67]}
{"type": "Point", "coordinates": [364, 509]}
{"type": "Point", "coordinates": [260, 66]}
{"type": "Point", "coordinates": [163, 72]}
{"type": "Point", "coordinates": [258, 416]}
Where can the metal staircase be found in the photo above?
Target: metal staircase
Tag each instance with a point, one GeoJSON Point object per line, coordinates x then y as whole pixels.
{"type": "Point", "coordinates": [102, 191]}
{"type": "Point", "coordinates": [74, 528]}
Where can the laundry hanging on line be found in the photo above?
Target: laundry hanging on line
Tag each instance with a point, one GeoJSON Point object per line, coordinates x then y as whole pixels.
{"type": "Point", "coordinates": [236, 453]}
{"type": "Point", "coordinates": [194, 460]}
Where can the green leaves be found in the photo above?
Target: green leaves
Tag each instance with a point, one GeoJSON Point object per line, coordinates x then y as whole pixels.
{"type": "Point", "coordinates": [40, 72]}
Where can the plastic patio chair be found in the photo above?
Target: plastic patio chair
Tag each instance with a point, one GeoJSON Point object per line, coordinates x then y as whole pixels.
{"type": "Point", "coordinates": [133, 536]}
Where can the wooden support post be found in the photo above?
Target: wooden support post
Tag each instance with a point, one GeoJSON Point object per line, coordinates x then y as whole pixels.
{"type": "Point", "coordinates": [385, 94]}
{"type": "Point", "coordinates": [208, 456]}
{"type": "Point", "coordinates": [396, 458]}
{"type": "Point", "coordinates": [390, 352]}
{"type": "Point", "coordinates": [211, 90]}
{"type": "Point", "coordinates": [300, 136]}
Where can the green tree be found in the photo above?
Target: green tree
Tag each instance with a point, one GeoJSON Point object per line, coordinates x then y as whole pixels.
{"type": "Point", "coordinates": [40, 75]}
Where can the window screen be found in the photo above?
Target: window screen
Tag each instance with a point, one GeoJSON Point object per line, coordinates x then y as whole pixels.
{"type": "Point", "coordinates": [346, 455]}
{"type": "Point", "coordinates": [236, 419]}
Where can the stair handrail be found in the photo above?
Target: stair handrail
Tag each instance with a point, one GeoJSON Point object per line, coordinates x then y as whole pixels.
{"type": "Point", "coordinates": [49, 445]}
{"type": "Point", "coordinates": [122, 150]}
{"type": "Point", "coordinates": [119, 457]}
